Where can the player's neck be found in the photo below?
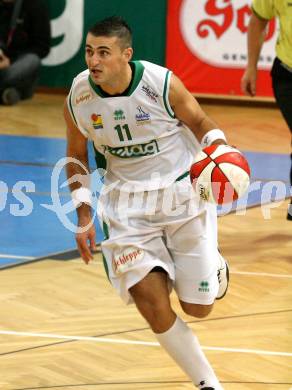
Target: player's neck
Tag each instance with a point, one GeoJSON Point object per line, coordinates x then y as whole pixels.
{"type": "Point", "coordinates": [120, 84]}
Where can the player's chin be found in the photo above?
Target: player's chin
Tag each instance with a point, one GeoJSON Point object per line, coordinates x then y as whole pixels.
{"type": "Point", "coordinates": [96, 76]}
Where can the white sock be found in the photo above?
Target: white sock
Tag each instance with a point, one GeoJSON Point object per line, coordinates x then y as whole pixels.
{"type": "Point", "coordinates": [184, 348]}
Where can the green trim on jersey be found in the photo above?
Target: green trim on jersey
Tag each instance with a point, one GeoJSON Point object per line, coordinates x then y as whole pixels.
{"type": "Point", "coordinates": [105, 230]}
{"type": "Point", "coordinates": [71, 109]}
{"type": "Point", "coordinates": [181, 177]}
{"type": "Point", "coordinates": [105, 265]}
{"type": "Point", "coordinates": [137, 73]}
{"type": "Point", "coordinates": [165, 95]}
{"type": "Point", "coordinates": [106, 236]}
{"type": "Point", "coordinates": [100, 160]}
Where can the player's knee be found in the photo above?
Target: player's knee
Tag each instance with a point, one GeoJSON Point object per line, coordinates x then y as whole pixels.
{"type": "Point", "coordinates": [154, 311]}
{"type": "Point", "coordinates": [151, 297]}
{"type": "Point", "coordinates": [157, 313]}
{"type": "Point", "coordinates": [195, 310]}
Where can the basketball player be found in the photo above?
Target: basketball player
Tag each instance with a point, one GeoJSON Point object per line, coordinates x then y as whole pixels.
{"type": "Point", "coordinates": [147, 127]}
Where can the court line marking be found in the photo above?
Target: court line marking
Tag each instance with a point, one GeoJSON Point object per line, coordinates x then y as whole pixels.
{"type": "Point", "coordinates": [99, 262]}
{"type": "Point", "coordinates": [271, 275]}
{"type": "Point", "coordinates": [261, 274]}
{"type": "Point", "coordinates": [80, 261]}
{"type": "Point", "coordinates": [16, 257]}
{"type": "Point", "coordinates": [3, 255]}
{"type": "Point", "coordinates": [133, 342]}
{"type": "Point", "coordinates": [141, 382]}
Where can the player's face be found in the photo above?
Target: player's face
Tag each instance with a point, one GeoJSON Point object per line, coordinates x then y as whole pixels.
{"type": "Point", "coordinates": [106, 59]}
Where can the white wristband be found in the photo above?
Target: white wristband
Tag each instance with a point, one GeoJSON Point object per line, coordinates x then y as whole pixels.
{"type": "Point", "coordinates": [81, 195]}
{"type": "Point", "coordinates": [212, 136]}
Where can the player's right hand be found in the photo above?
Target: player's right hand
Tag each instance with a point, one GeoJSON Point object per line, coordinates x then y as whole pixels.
{"type": "Point", "coordinates": [248, 82]}
{"type": "Point", "coordinates": [86, 240]}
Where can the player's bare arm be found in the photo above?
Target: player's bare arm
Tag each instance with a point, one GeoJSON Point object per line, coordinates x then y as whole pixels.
{"type": "Point", "coordinates": [255, 40]}
{"type": "Point", "coordinates": [77, 149]}
{"type": "Point", "coordinates": [188, 110]}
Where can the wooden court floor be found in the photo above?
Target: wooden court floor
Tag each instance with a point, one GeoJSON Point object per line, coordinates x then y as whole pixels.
{"type": "Point", "coordinates": [66, 328]}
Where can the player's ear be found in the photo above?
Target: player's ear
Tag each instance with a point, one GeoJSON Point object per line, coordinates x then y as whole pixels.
{"type": "Point", "coordinates": [128, 53]}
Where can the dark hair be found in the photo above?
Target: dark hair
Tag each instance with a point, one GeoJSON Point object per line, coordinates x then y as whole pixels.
{"type": "Point", "coordinates": [113, 26]}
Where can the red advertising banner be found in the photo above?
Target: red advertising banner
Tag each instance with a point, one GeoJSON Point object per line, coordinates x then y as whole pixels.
{"type": "Point", "coordinates": [207, 46]}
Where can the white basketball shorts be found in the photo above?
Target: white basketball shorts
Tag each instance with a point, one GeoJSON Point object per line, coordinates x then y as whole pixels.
{"type": "Point", "coordinates": [169, 228]}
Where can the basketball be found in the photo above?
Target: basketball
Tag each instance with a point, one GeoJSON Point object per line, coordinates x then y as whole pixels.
{"type": "Point", "coordinates": [220, 174]}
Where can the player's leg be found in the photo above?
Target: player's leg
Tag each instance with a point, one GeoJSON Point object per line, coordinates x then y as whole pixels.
{"type": "Point", "coordinates": [282, 86]}
{"type": "Point", "coordinates": [18, 81]}
{"type": "Point", "coordinates": [192, 242]}
{"type": "Point", "coordinates": [223, 276]}
{"type": "Point", "coordinates": [151, 296]}
{"type": "Point", "coordinates": [199, 267]}
{"type": "Point", "coordinates": [129, 272]}
{"type": "Point", "coordinates": [131, 251]}
{"type": "Point", "coordinates": [222, 264]}
{"type": "Point", "coordinates": [202, 273]}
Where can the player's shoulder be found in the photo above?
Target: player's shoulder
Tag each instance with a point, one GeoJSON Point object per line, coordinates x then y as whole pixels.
{"type": "Point", "coordinates": [81, 78]}
{"type": "Point", "coordinates": [155, 75]}
{"type": "Point", "coordinates": [80, 92]}
{"type": "Point", "coordinates": [152, 66]}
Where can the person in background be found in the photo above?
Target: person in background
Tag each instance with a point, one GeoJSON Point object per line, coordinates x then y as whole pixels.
{"type": "Point", "coordinates": [24, 40]}
{"type": "Point", "coordinates": [281, 73]}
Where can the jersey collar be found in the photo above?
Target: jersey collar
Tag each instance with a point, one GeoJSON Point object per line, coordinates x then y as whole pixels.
{"type": "Point", "coordinates": [137, 73]}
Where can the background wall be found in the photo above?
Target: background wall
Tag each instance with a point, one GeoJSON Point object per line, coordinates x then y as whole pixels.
{"type": "Point", "coordinates": [207, 46]}
{"type": "Point", "coordinates": [71, 19]}
{"type": "Point", "coordinates": [203, 42]}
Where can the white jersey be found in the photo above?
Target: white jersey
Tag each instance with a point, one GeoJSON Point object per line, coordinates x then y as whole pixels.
{"type": "Point", "coordinates": [143, 143]}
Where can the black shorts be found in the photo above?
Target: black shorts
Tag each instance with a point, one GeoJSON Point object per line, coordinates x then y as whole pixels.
{"type": "Point", "coordinates": [282, 86]}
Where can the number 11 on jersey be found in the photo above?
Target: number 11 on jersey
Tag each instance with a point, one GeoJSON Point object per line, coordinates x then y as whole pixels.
{"type": "Point", "coordinates": [123, 130]}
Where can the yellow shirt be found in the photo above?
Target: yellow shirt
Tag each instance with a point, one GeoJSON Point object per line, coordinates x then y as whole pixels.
{"type": "Point", "coordinates": [282, 9]}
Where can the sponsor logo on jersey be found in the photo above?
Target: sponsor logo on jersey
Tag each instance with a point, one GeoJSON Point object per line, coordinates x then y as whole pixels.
{"type": "Point", "coordinates": [119, 115]}
{"type": "Point", "coordinates": [139, 150]}
{"type": "Point", "coordinates": [204, 286]}
{"type": "Point", "coordinates": [97, 121]}
{"type": "Point", "coordinates": [84, 97]}
{"type": "Point", "coordinates": [150, 92]}
{"type": "Point", "coordinates": [142, 116]}
{"type": "Point", "coordinates": [204, 193]}
{"type": "Point", "coordinates": [123, 261]}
